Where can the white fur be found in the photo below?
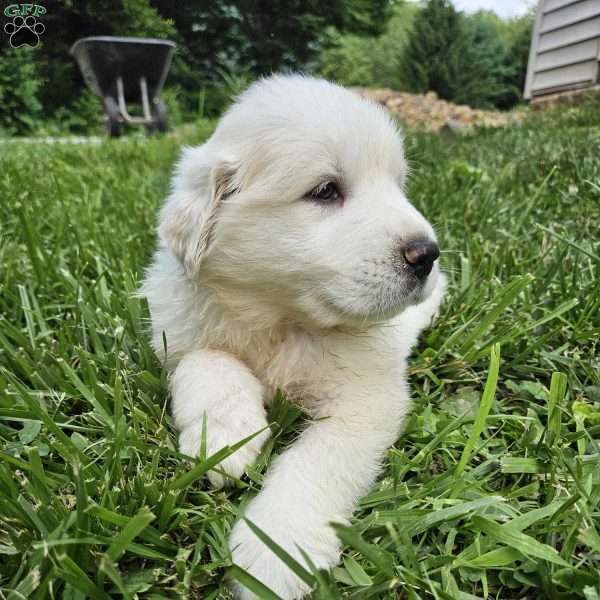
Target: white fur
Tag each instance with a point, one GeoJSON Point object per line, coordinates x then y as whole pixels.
{"type": "Point", "coordinates": [258, 287]}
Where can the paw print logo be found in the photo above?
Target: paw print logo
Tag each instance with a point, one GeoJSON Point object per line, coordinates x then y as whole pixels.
{"type": "Point", "coordinates": [24, 31]}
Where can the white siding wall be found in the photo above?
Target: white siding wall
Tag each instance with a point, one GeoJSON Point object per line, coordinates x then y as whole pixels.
{"type": "Point", "coordinates": [565, 48]}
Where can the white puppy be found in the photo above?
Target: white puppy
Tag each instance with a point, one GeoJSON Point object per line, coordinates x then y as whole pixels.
{"type": "Point", "coordinates": [290, 258]}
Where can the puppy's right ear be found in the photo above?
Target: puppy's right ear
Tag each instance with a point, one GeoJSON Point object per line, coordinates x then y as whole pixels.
{"type": "Point", "coordinates": [189, 216]}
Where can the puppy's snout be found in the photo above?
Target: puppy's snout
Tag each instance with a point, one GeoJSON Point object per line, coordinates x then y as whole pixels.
{"type": "Point", "coordinates": [420, 255]}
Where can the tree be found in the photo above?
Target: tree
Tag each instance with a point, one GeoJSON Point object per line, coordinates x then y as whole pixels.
{"type": "Point", "coordinates": [261, 36]}
{"type": "Point", "coordinates": [516, 58]}
{"type": "Point", "coordinates": [476, 59]}
{"type": "Point", "coordinates": [368, 60]}
{"type": "Point", "coordinates": [237, 40]}
{"type": "Point", "coordinates": [431, 61]}
{"type": "Point", "coordinates": [482, 67]}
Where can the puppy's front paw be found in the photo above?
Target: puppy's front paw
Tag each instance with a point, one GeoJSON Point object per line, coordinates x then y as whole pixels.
{"type": "Point", "coordinates": [216, 386]}
{"type": "Point", "coordinates": [253, 556]}
{"type": "Point", "coordinates": [248, 552]}
{"type": "Point", "coordinates": [219, 436]}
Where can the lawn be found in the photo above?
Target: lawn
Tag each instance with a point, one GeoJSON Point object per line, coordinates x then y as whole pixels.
{"type": "Point", "coordinates": [493, 490]}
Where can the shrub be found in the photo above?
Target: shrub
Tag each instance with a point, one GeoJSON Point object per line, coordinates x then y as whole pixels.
{"type": "Point", "coordinates": [347, 59]}
{"type": "Point", "coordinates": [476, 59]}
{"type": "Point", "coordinates": [352, 59]}
{"type": "Point", "coordinates": [84, 116]}
{"type": "Point", "coordinates": [19, 90]}
{"type": "Point", "coordinates": [431, 61]}
{"type": "Point", "coordinates": [482, 69]}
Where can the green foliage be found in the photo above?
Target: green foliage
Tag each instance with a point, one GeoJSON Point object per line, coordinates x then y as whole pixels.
{"type": "Point", "coordinates": [362, 17]}
{"type": "Point", "coordinates": [137, 18]}
{"type": "Point", "coordinates": [493, 489]}
{"type": "Point", "coordinates": [431, 61]}
{"type": "Point", "coordinates": [470, 59]}
{"type": "Point", "coordinates": [173, 98]}
{"type": "Point", "coordinates": [218, 42]}
{"type": "Point", "coordinates": [352, 59]}
{"type": "Point", "coordinates": [476, 59]}
{"type": "Point", "coordinates": [210, 41]}
{"type": "Point", "coordinates": [346, 59]}
{"type": "Point", "coordinates": [20, 85]}
{"type": "Point", "coordinates": [481, 67]}
{"type": "Point", "coordinates": [516, 58]}
{"type": "Point", "coordinates": [494, 59]}
{"type": "Point", "coordinates": [84, 116]}
{"type": "Point", "coordinates": [245, 39]}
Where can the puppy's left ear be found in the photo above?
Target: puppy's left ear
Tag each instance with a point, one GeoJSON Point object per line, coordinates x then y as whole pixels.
{"type": "Point", "coordinates": [190, 214]}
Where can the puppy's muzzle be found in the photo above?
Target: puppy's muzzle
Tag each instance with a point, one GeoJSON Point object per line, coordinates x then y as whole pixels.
{"type": "Point", "coordinates": [419, 256]}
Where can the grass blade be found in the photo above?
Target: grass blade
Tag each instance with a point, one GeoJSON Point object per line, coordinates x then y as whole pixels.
{"type": "Point", "coordinates": [250, 582]}
{"type": "Point", "coordinates": [484, 408]}
{"type": "Point", "coordinates": [212, 461]}
{"type": "Point", "coordinates": [282, 554]}
{"type": "Point", "coordinates": [133, 528]}
{"type": "Point", "coordinates": [376, 555]}
{"type": "Point", "coordinates": [518, 540]}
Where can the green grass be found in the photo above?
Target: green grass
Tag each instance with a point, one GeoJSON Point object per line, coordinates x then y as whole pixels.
{"type": "Point", "coordinates": [492, 491]}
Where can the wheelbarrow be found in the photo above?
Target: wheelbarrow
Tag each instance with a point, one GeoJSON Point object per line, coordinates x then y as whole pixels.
{"type": "Point", "coordinates": [122, 70]}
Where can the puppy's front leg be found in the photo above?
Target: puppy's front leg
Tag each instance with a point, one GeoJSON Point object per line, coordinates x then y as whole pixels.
{"type": "Point", "coordinates": [218, 385]}
{"type": "Point", "coordinates": [318, 481]}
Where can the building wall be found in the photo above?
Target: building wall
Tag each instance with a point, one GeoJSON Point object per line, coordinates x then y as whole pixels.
{"type": "Point", "coordinates": [565, 47]}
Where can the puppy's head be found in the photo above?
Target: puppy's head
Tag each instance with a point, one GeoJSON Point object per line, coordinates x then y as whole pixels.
{"type": "Point", "coordinates": [295, 206]}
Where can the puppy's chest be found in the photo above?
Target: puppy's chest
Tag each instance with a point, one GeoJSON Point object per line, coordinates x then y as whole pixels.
{"type": "Point", "coordinates": [292, 362]}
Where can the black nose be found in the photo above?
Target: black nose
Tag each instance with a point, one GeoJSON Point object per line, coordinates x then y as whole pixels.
{"type": "Point", "coordinates": [420, 256]}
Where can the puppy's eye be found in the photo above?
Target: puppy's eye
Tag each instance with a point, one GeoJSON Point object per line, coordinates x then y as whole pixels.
{"type": "Point", "coordinates": [326, 193]}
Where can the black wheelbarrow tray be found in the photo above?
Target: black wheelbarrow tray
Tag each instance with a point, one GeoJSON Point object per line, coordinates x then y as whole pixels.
{"type": "Point", "coordinates": [122, 70]}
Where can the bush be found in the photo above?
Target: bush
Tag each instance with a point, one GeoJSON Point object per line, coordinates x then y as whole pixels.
{"type": "Point", "coordinates": [19, 90]}
{"type": "Point", "coordinates": [84, 116]}
{"type": "Point", "coordinates": [369, 61]}
{"type": "Point", "coordinates": [219, 94]}
{"type": "Point", "coordinates": [347, 59]}
{"type": "Point", "coordinates": [476, 59]}
{"type": "Point", "coordinates": [482, 70]}
{"type": "Point", "coordinates": [431, 61]}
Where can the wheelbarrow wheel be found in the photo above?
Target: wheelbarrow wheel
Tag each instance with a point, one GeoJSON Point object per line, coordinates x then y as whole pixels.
{"type": "Point", "coordinates": [159, 116]}
{"type": "Point", "coordinates": [114, 125]}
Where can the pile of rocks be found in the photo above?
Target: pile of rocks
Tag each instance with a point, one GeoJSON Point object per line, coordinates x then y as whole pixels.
{"type": "Point", "coordinates": [428, 111]}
